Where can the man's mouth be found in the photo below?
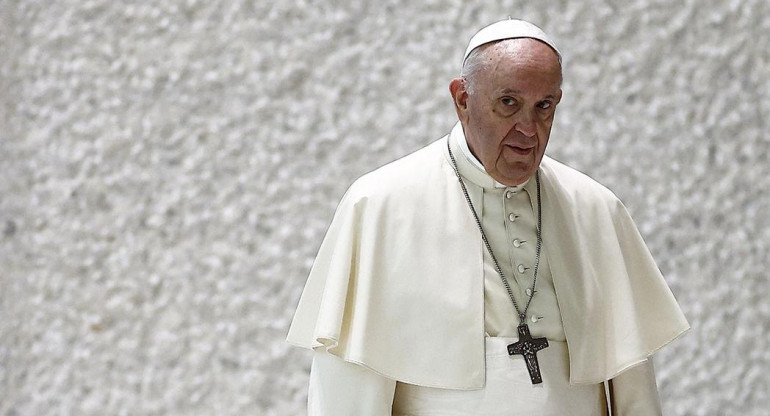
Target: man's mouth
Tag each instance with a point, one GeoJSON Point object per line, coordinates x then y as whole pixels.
{"type": "Point", "coordinates": [521, 150]}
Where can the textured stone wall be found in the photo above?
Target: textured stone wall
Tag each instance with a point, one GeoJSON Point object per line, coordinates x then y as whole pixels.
{"type": "Point", "coordinates": [168, 170]}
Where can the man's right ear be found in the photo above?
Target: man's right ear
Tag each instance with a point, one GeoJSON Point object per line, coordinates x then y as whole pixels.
{"type": "Point", "coordinates": [460, 97]}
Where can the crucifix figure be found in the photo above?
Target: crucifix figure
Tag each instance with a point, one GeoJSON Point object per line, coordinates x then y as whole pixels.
{"type": "Point", "coordinates": [528, 347]}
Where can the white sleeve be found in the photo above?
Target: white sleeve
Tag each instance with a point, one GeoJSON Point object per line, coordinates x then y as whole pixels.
{"type": "Point", "coordinates": [635, 393]}
{"type": "Point", "coordinates": [340, 388]}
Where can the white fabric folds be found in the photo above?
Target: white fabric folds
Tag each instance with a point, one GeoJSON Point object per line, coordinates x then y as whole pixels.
{"type": "Point", "coordinates": [508, 389]}
{"type": "Point", "coordinates": [397, 285]}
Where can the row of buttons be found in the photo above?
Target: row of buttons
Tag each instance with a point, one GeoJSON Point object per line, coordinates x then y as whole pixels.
{"type": "Point", "coordinates": [518, 243]}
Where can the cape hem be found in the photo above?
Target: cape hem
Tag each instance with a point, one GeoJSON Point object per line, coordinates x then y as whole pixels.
{"type": "Point", "coordinates": [632, 363]}
{"type": "Point", "coordinates": [407, 380]}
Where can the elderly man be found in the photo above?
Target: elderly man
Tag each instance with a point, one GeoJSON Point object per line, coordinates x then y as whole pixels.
{"type": "Point", "coordinates": [477, 276]}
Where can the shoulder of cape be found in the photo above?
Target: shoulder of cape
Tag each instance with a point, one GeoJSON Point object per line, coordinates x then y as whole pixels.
{"type": "Point", "coordinates": [403, 177]}
{"type": "Point", "coordinates": [578, 187]}
{"type": "Point", "coordinates": [378, 278]}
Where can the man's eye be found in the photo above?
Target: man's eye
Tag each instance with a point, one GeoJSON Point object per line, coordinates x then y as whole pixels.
{"type": "Point", "coordinates": [508, 101]}
{"type": "Point", "coordinates": [545, 105]}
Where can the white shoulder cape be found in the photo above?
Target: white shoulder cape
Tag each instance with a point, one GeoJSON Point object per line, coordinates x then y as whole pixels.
{"type": "Point", "coordinates": [397, 285]}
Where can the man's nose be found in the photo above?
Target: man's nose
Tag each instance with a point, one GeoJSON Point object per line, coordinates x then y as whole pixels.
{"type": "Point", "coordinates": [525, 124]}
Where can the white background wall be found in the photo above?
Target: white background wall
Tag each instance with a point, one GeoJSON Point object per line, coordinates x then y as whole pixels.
{"type": "Point", "coordinates": [168, 170]}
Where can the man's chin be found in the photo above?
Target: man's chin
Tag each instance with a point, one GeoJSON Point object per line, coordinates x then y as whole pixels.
{"type": "Point", "coordinates": [519, 172]}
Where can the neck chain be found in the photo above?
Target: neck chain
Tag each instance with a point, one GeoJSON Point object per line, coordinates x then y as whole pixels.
{"type": "Point", "coordinates": [522, 313]}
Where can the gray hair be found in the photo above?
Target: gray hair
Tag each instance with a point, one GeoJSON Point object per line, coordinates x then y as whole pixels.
{"type": "Point", "coordinates": [473, 64]}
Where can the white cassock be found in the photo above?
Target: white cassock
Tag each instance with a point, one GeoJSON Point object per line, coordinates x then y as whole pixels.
{"type": "Point", "coordinates": [408, 315]}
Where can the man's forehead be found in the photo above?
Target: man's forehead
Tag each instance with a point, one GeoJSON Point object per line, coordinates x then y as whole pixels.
{"type": "Point", "coordinates": [526, 75]}
{"type": "Point", "coordinates": [520, 66]}
{"type": "Point", "coordinates": [520, 49]}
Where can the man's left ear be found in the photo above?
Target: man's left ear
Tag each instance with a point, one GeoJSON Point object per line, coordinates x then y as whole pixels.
{"type": "Point", "coordinates": [558, 97]}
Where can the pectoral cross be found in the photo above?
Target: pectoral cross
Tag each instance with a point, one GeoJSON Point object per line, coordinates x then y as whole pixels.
{"type": "Point", "coordinates": [528, 347]}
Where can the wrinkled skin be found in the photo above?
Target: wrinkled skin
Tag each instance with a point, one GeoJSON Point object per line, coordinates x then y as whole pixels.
{"type": "Point", "coordinates": [508, 113]}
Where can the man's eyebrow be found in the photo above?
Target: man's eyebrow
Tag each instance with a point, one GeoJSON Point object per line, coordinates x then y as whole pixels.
{"type": "Point", "coordinates": [510, 91]}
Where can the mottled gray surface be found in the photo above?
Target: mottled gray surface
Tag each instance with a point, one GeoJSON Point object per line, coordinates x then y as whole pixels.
{"type": "Point", "coordinates": [168, 169]}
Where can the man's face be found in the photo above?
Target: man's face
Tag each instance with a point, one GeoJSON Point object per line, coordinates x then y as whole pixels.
{"type": "Point", "coordinates": [508, 113]}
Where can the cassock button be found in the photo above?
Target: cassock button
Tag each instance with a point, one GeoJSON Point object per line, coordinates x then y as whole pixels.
{"type": "Point", "coordinates": [535, 318]}
{"type": "Point", "coordinates": [512, 217]}
{"type": "Point", "coordinates": [510, 194]}
{"type": "Point", "coordinates": [529, 291]}
{"type": "Point", "coordinates": [522, 269]}
{"type": "Point", "coordinates": [517, 243]}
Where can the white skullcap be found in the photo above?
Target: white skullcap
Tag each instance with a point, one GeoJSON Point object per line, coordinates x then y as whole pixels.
{"type": "Point", "coordinates": [509, 29]}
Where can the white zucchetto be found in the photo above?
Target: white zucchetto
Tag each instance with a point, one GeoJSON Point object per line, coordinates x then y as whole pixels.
{"type": "Point", "coordinates": [509, 29]}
